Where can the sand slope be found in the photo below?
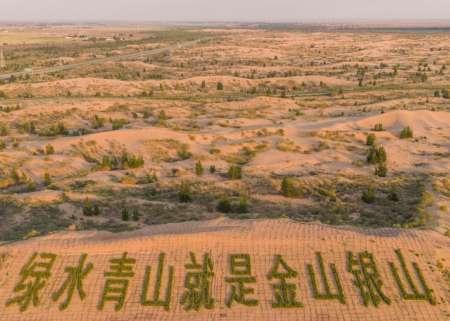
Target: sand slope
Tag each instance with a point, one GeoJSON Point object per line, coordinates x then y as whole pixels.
{"type": "Point", "coordinates": [262, 240]}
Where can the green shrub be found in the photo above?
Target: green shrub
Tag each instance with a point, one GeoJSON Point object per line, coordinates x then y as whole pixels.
{"type": "Point", "coordinates": [212, 169]}
{"type": "Point", "coordinates": [120, 162]}
{"type": "Point", "coordinates": [185, 193]}
{"type": "Point", "coordinates": [161, 118]}
{"type": "Point", "coordinates": [445, 94]}
{"type": "Point", "coordinates": [54, 130]}
{"type": "Point", "coordinates": [381, 170]}
{"type": "Point", "coordinates": [47, 179]}
{"type": "Point", "coordinates": [406, 133]}
{"type": "Point", "coordinates": [3, 130]}
{"type": "Point", "coordinates": [370, 140]}
{"type": "Point", "coordinates": [134, 161]}
{"type": "Point", "coordinates": [199, 168]}
{"type": "Point", "coordinates": [90, 209]}
{"type": "Point", "coordinates": [30, 186]}
{"type": "Point", "coordinates": [368, 196]}
{"type": "Point", "coordinates": [378, 127]}
{"type": "Point", "coordinates": [148, 178]}
{"type": "Point", "coordinates": [242, 206]}
{"type": "Point", "coordinates": [125, 215]}
{"type": "Point", "coordinates": [235, 172]}
{"type": "Point", "coordinates": [135, 215]}
{"type": "Point", "coordinates": [183, 153]}
{"type": "Point", "coordinates": [118, 123]}
{"type": "Point", "coordinates": [289, 187]}
{"type": "Point", "coordinates": [49, 149]}
{"type": "Point", "coordinates": [393, 196]}
{"type": "Point", "coordinates": [97, 122]}
{"type": "Point", "coordinates": [376, 155]}
{"type": "Point", "coordinates": [28, 127]}
{"type": "Point", "coordinates": [224, 205]}
{"type": "Point", "coordinates": [219, 86]}
{"type": "Point", "coordinates": [2, 145]}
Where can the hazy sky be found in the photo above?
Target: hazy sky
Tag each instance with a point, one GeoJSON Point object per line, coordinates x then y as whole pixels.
{"type": "Point", "coordinates": [221, 10]}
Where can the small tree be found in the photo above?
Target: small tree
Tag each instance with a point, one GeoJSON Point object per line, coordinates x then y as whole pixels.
{"type": "Point", "coordinates": [199, 168]}
{"type": "Point", "coordinates": [235, 172]}
{"type": "Point", "coordinates": [219, 86]}
{"type": "Point", "coordinates": [212, 169]}
{"type": "Point", "coordinates": [370, 140]}
{"type": "Point", "coordinates": [406, 133]}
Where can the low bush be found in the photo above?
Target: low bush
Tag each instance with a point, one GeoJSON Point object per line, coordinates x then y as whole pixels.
{"type": "Point", "coordinates": [49, 149]}
{"type": "Point", "coordinates": [235, 172]}
{"type": "Point", "coordinates": [90, 209]}
{"type": "Point", "coordinates": [199, 168]}
{"type": "Point", "coordinates": [97, 122]}
{"type": "Point", "coordinates": [123, 161]}
{"type": "Point", "coordinates": [381, 169]}
{"type": "Point", "coordinates": [290, 188]}
{"type": "Point", "coordinates": [125, 214]}
{"type": "Point", "coordinates": [368, 196]}
{"type": "Point", "coordinates": [54, 130]}
{"type": "Point", "coordinates": [185, 193]}
{"type": "Point", "coordinates": [118, 123]}
{"type": "Point", "coordinates": [224, 205]}
{"type": "Point", "coordinates": [183, 153]}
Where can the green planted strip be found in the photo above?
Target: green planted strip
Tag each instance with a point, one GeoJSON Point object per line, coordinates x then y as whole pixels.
{"type": "Point", "coordinates": [366, 278]}
{"type": "Point", "coordinates": [156, 301]}
{"type": "Point", "coordinates": [285, 292]}
{"type": "Point", "coordinates": [241, 276]}
{"type": "Point", "coordinates": [327, 294]}
{"type": "Point", "coordinates": [33, 278]}
{"type": "Point", "coordinates": [426, 294]}
{"type": "Point", "coordinates": [198, 284]}
{"type": "Point", "coordinates": [117, 282]}
{"type": "Point", "coordinates": [74, 282]}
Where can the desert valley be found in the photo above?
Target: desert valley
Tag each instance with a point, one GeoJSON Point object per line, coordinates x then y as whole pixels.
{"type": "Point", "coordinates": [181, 146]}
